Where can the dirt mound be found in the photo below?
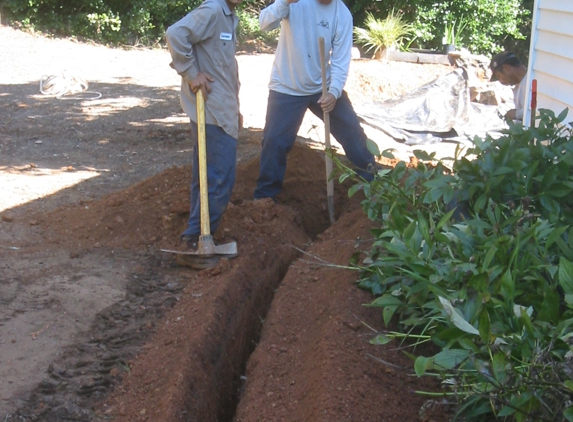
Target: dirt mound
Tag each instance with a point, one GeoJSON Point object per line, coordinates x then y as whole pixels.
{"type": "Point", "coordinates": [154, 212]}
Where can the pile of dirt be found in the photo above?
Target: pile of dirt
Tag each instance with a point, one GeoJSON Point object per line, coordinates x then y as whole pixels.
{"type": "Point", "coordinates": [154, 212]}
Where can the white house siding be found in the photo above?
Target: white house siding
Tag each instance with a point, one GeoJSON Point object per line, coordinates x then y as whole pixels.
{"type": "Point", "coordinates": [551, 56]}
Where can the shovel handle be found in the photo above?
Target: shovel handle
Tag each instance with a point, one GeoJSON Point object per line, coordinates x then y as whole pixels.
{"type": "Point", "coordinates": [202, 153]}
{"type": "Point", "coordinates": [326, 118]}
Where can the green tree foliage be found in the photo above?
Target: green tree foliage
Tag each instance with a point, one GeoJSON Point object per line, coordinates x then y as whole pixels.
{"type": "Point", "coordinates": [116, 21]}
{"type": "Point", "coordinates": [125, 21]}
{"type": "Point", "coordinates": [489, 25]}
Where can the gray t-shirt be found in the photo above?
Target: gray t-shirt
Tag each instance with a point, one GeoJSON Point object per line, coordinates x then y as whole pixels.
{"type": "Point", "coordinates": [205, 41]}
{"type": "Point", "coordinates": [296, 69]}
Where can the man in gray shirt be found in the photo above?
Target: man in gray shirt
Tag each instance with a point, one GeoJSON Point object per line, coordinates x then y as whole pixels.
{"type": "Point", "coordinates": [202, 47]}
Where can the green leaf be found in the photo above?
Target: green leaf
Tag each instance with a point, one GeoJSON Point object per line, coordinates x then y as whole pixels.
{"type": "Point", "coordinates": [450, 358]}
{"type": "Point", "coordinates": [422, 364]}
{"type": "Point", "coordinates": [503, 170]}
{"type": "Point", "coordinates": [566, 275]}
{"type": "Point", "coordinates": [506, 411]}
{"type": "Point", "coordinates": [353, 190]}
{"type": "Point", "coordinates": [372, 147]}
{"type": "Point", "coordinates": [568, 413]}
{"type": "Point", "coordinates": [554, 235]}
{"type": "Point", "coordinates": [380, 340]}
{"type": "Point", "coordinates": [549, 311]}
{"type": "Point", "coordinates": [387, 153]}
{"type": "Point", "coordinates": [562, 115]}
{"type": "Point", "coordinates": [499, 368]}
{"type": "Point", "coordinates": [423, 155]}
{"type": "Point", "coordinates": [423, 227]}
{"type": "Point", "coordinates": [445, 218]}
{"type": "Point", "coordinates": [559, 190]}
{"type": "Point", "coordinates": [480, 224]}
{"type": "Point", "coordinates": [488, 258]}
{"type": "Point", "coordinates": [569, 384]}
{"type": "Point", "coordinates": [468, 344]}
{"type": "Point", "coordinates": [507, 286]}
{"type": "Point", "coordinates": [435, 194]}
{"type": "Point", "coordinates": [484, 326]}
{"type": "Point", "coordinates": [457, 319]}
{"type": "Point", "coordinates": [387, 300]}
{"type": "Point", "coordinates": [549, 204]}
{"type": "Point", "coordinates": [480, 204]}
{"type": "Point", "coordinates": [388, 313]}
{"type": "Point", "coordinates": [549, 176]}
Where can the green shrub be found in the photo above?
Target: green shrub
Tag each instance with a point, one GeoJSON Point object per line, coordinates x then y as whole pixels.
{"type": "Point", "coordinates": [380, 35]}
{"type": "Point", "coordinates": [478, 260]}
{"type": "Point", "coordinates": [249, 29]}
{"type": "Point", "coordinates": [491, 24]}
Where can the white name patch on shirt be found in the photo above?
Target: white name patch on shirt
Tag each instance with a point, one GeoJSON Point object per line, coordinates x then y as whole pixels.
{"type": "Point", "coordinates": [227, 36]}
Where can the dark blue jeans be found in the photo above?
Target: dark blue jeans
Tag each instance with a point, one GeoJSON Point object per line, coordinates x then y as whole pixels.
{"type": "Point", "coordinates": [284, 117]}
{"type": "Point", "coordinates": [221, 165]}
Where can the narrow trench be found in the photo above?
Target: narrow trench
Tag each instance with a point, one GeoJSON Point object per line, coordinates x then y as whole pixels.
{"type": "Point", "coordinates": [229, 392]}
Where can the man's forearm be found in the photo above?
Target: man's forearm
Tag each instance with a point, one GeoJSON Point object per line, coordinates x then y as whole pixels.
{"type": "Point", "coordinates": [271, 16]}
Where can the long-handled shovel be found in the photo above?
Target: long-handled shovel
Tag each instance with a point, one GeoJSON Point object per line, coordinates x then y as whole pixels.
{"type": "Point", "coordinates": [326, 118]}
{"type": "Point", "coordinates": [208, 253]}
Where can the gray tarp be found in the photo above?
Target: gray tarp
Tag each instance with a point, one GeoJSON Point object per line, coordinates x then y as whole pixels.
{"type": "Point", "coordinates": [440, 110]}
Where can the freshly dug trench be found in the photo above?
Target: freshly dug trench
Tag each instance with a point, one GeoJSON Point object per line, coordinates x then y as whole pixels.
{"type": "Point", "coordinates": [314, 361]}
{"type": "Point", "coordinates": [190, 370]}
{"type": "Point", "coordinates": [191, 367]}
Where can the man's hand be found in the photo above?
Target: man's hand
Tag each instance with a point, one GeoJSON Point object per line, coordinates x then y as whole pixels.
{"type": "Point", "coordinates": [327, 102]}
{"type": "Point", "coordinates": [511, 115]}
{"type": "Point", "coordinates": [202, 82]}
{"type": "Point", "coordinates": [240, 121]}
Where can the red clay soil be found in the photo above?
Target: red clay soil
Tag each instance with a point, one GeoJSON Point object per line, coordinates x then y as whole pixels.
{"type": "Point", "coordinates": [314, 361]}
{"type": "Point", "coordinates": [191, 368]}
{"type": "Point", "coordinates": [153, 213]}
{"type": "Point", "coordinates": [312, 358]}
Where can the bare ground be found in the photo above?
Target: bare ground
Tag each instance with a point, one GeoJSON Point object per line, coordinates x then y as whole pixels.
{"type": "Point", "coordinates": [91, 190]}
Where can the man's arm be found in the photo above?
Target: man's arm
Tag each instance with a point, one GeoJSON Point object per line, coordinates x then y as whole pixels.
{"type": "Point", "coordinates": [514, 114]}
{"type": "Point", "coordinates": [181, 36]}
{"type": "Point", "coordinates": [340, 56]}
{"type": "Point", "coordinates": [271, 16]}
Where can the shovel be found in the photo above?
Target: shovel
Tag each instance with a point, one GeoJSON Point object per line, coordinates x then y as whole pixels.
{"type": "Point", "coordinates": [326, 118]}
{"type": "Point", "coordinates": [208, 253]}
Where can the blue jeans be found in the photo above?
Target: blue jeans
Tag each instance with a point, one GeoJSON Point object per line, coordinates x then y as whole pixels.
{"type": "Point", "coordinates": [284, 117]}
{"type": "Point", "coordinates": [221, 165]}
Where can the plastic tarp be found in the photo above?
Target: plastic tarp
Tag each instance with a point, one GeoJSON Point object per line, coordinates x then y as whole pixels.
{"type": "Point", "coordinates": [440, 110]}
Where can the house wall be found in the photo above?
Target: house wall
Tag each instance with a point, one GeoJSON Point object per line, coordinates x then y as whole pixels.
{"type": "Point", "coordinates": [551, 57]}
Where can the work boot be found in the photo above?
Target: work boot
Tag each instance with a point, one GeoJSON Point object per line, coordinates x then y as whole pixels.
{"type": "Point", "coordinates": [191, 242]}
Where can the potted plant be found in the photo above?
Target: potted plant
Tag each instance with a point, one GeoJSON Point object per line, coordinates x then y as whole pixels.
{"type": "Point", "coordinates": [383, 35]}
{"type": "Point", "coordinates": [452, 37]}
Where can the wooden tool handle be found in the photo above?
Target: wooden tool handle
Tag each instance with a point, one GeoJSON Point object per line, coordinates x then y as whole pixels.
{"type": "Point", "coordinates": [326, 118]}
{"type": "Point", "coordinates": [202, 152]}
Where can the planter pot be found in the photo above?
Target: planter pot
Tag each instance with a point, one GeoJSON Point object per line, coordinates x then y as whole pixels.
{"type": "Point", "coordinates": [383, 53]}
{"type": "Point", "coordinates": [448, 48]}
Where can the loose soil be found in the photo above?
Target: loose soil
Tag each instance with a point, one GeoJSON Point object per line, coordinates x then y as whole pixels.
{"type": "Point", "coordinates": [96, 323]}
